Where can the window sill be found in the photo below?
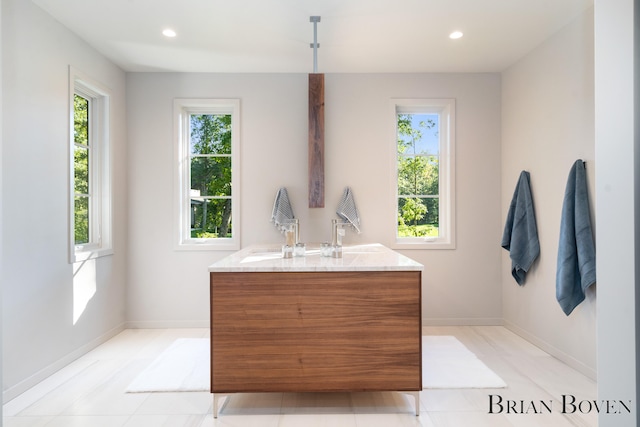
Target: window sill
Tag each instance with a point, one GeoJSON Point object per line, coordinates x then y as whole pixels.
{"type": "Point", "coordinates": [207, 245]}
{"type": "Point", "coordinates": [422, 244]}
{"type": "Point", "coordinates": [84, 255]}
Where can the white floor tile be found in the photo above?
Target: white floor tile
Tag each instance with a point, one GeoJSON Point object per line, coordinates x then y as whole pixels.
{"type": "Point", "coordinates": [49, 385]}
{"type": "Point", "coordinates": [82, 421]}
{"type": "Point", "coordinates": [77, 386]}
{"type": "Point", "coordinates": [26, 421]}
{"type": "Point", "coordinates": [317, 403]}
{"type": "Point", "coordinates": [110, 398]}
{"type": "Point", "coordinates": [475, 419]}
{"type": "Point", "coordinates": [547, 420]}
{"type": "Point", "coordinates": [196, 403]}
{"type": "Point", "coordinates": [251, 404]}
{"type": "Point", "coordinates": [393, 420]}
{"type": "Point", "coordinates": [318, 420]}
{"type": "Point", "coordinates": [242, 421]}
{"type": "Point", "coordinates": [90, 392]}
{"type": "Point", "coordinates": [165, 421]}
{"type": "Point", "coordinates": [383, 403]}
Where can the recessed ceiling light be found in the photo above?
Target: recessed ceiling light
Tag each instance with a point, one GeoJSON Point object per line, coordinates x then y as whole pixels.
{"type": "Point", "coordinates": [169, 32]}
{"type": "Point", "coordinates": [455, 35]}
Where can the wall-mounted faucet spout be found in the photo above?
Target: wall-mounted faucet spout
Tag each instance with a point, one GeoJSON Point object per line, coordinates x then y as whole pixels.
{"type": "Point", "coordinates": [292, 232]}
{"type": "Point", "coordinates": [337, 231]}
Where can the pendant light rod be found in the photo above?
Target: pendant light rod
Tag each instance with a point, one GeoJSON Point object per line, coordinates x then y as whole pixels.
{"type": "Point", "coordinates": [315, 45]}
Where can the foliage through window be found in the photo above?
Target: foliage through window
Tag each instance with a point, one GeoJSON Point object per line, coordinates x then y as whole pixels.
{"type": "Point", "coordinates": [81, 154]}
{"type": "Point", "coordinates": [210, 159]}
{"type": "Point", "coordinates": [424, 171]}
{"type": "Point", "coordinates": [207, 167]}
{"type": "Point", "coordinates": [418, 172]}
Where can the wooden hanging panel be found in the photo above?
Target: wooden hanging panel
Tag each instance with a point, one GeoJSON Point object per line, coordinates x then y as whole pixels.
{"type": "Point", "coordinates": [316, 140]}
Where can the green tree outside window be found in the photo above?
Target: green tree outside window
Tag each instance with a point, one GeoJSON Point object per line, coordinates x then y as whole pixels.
{"type": "Point", "coordinates": [81, 169]}
{"type": "Point", "coordinates": [210, 160]}
{"type": "Point", "coordinates": [418, 175]}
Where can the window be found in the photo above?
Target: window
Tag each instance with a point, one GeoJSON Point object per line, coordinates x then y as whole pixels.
{"type": "Point", "coordinates": [207, 170]}
{"type": "Point", "coordinates": [424, 171]}
{"type": "Point", "coordinates": [90, 187]}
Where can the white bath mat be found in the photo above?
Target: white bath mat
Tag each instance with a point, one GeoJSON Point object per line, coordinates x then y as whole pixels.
{"type": "Point", "coordinates": [185, 366]}
{"type": "Point", "coordinates": [447, 363]}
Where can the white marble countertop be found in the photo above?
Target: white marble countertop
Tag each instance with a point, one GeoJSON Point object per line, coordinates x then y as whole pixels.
{"type": "Point", "coordinates": [369, 257]}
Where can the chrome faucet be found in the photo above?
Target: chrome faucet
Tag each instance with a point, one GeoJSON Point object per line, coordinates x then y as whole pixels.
{"type": "Point", "coordinates": [337, 231]}
{"type": "Point", "coordinates": [292, 232]}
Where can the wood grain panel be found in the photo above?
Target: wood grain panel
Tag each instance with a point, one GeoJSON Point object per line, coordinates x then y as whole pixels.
{"type": "Point", "coordinates": [316, 140]}
{"type": "Point", "coordinates": [331, 331]}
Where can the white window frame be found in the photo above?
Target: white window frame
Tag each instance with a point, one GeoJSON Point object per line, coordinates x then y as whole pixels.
{"type": "Point", "coordinates": [100, 201]}
{"type": "Point", "coordinates": [445, 108]}
{"type": "Point", "coordinates": [182, 109]}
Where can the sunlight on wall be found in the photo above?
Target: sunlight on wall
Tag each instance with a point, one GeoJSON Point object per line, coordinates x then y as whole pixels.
{"type": "Point", "coordinates": [84, 286]}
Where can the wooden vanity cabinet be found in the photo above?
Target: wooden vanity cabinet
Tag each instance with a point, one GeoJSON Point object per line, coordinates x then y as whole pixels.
{"type": "Point", "coordinates": [316, 331]}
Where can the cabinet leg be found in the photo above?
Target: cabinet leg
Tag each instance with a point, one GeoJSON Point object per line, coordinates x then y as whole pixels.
{"type": "Point", "coordinates": [416, 399]}
{"type": "Point", "coordinates": [216, 403]}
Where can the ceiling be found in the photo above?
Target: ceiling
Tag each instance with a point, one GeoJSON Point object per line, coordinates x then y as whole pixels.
{"type": "Point", "coordinates": [275, 35]}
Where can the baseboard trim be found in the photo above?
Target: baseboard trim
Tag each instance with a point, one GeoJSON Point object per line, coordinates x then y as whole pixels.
{"type": "Point", "coordinates": [553, 351]}
{"type": "Point", "coordinates": [41, 375]}
{"type": "Point", "coordinates": [462, 321]}
{"type": "Point", "coordinates": [166, 324]}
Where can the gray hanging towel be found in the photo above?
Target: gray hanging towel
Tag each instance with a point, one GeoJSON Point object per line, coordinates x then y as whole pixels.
{"type": "Point", "coordinates": [347, 209]}
{"type": "Point", "coordinates": [282, 211]}
{"type": "Point", "coordinates": [520, 235]}
{"type": "Point", "coordinates": [576, 269]}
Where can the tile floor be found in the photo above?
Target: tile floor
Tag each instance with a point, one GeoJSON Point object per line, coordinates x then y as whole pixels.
{"type": "Point", "coordinates": [90, 392]}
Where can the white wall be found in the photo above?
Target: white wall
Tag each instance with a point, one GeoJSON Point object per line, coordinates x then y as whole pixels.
{"type": "Point", "coordinates": [547, 124]}
{"type": "Point", "coordinates": [39, 334]}
{"type": "Point", "coordinates": [617, 148]}
{"type": "Point", "coordinates": [166, 287]}
{"type": "Point", "coordinates": [1, 143]}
